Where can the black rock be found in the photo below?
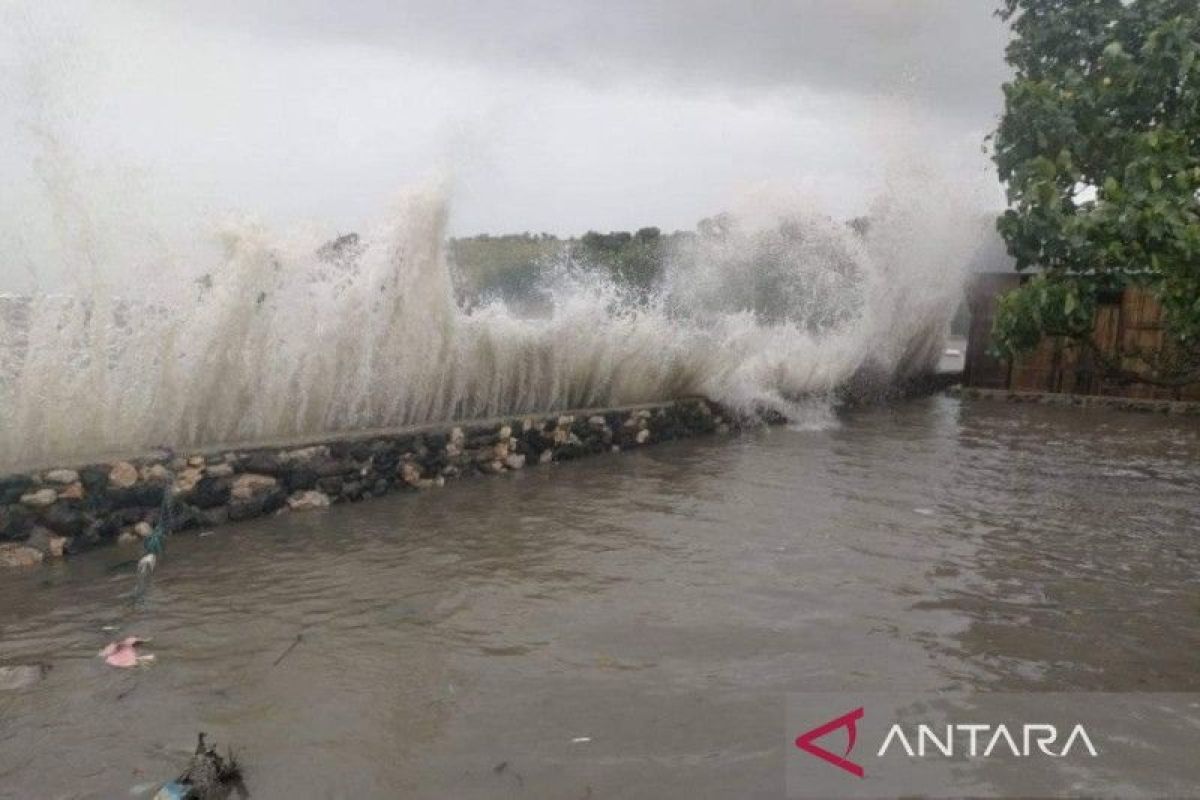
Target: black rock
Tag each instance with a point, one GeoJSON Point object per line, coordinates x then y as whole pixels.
{"type": "Point", "coordinates": [94, 479]}
{"type": "Point", "coordinates": [15, 523]}
{"type": "Point", "coordinates": [300, 478]}
{"type": "Point", "coordinates": [262, 463]}
{"type": "Point", "coordinates": [327, 467]}
{"type": "Point", "coordinates": [65, 519]}
{"type": "Point", "coordinates": [13, 486]}
{"type": "Point", "coordinates": [141, 494]}
{"type": "Point", "coordinates": [331, 486]}
{"type": "Point", "coordinates": [209, 492]}
{"type": "Point", "coordinates": [263, 503]}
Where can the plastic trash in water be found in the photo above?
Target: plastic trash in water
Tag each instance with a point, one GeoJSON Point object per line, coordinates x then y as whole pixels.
{"type": "Point", "coordinates": [173, 790]}
{"type": "Point", "coordinates": [124, 653]}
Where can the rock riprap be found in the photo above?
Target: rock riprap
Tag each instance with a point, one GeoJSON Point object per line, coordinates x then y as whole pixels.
{"type": "Point", "coordinates": [46, 515]}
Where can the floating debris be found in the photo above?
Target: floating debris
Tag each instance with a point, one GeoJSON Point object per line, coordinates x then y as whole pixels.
{"type": "Point", "coordinates": [208, 777]}
{"type": "Point", "coordinates": [299, 638]}
{"type": "Point", "coordinates": [124, 653]}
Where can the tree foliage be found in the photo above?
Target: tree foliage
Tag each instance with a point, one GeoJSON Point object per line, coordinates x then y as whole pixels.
{"type": "Point", "coordinates": [1099, 147]}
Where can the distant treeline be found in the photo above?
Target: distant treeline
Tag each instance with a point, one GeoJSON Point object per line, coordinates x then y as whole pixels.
{"type": "Point", "coordinates": [511, 266]}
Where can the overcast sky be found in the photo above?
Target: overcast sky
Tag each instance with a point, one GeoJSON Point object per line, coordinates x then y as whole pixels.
{"type": "Point", "coordinates": [560, 116]}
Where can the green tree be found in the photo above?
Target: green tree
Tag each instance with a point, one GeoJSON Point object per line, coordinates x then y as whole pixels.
{"type": "Point", "coordinates": [1099, 147]}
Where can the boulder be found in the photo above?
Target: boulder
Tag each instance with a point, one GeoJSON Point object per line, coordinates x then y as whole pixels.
{"type": "Point", "coordinates": [264, 502]}
{"type": "Point", "coordinates": [65, 519]}
{"type": "Point", "coordinates": [63, 477]}
{"type": "Point", "coordinates": [42, 498]}
{"type": "Point", "coordinates": [94, 479]}
{"type": "Point", "coordinates": [122, 475]}
{"type": "Point", "coordinates": [15, 522]}
{"type": "Point", "coordinates": [410, 473]}
{"type": "Point", "coordinates": [331, 486]}
{"type": "Point", "coordinates": [156, 474]}
{"type": "Point", "coordinates": [249, 484]}
{"type": "Point", "coordinates": [219, 470]}
{"type": "Point", "coordinates": [47, 542]}
{"type": "Point", "coordinates": [307, 501]}
{"type": "Point", "coordinates": [515, 461]}
{"type": "Point", "coordinates": [209, 492]}
{"type": "Point", "coordinates": [261, 462]}
{"type": "Point", "coordinates": [12, 487]}
{"type": "Point", "coordinates": [300, 478]}
{"type": "Point", "coordinates": [140, 494]}
{"type": "Point", "coordinates": [187, 479]}
{"type": "Point", "coordinates": [19, 555]}
{"type": "Point", "coordinates": [71, 492]}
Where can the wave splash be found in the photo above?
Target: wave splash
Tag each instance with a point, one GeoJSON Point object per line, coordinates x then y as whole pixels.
{"type": "Point", "coordinates": [283, 338]}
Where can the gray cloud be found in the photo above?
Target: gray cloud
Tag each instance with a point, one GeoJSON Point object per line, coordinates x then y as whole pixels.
{"type": "Point", "coordinates": [556, 116]}
{"type": "Point", "coordinates": [947, 53]}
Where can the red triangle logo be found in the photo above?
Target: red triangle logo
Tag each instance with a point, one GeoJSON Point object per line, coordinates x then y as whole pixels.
{"type": "Point", "coordinates": [806, 741]}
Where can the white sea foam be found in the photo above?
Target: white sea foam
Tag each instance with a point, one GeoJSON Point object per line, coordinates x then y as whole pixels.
{"type": "Point", "coordinates": [149, 330]}
{"type": "Point", "coordinates": [277, 341]}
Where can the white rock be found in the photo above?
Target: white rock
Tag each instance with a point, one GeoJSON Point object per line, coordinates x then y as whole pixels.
{"type": "Point", "coordinates": [515, 461]}
{"type": "Point", "coordinates": [127, 538]}
{"type": "Point", "coordinates": [546, 457]}
{"type": "Point", "coordinates": [410, 473]}
{"type": "Point", "coordinates": [156, 473]}
{"type": "Point", "coordinates": [72, 492]}
{"type": "Point", "coordinates": [56, 546]}
{"type": "Point", "coordinates": [597, 421]}
{"type": "Point", "coordinates": [500, 451]}
{"type": "Point", "coordinates": [219, 470]}
{"type": "Point", "coordinates": [143, 529]}
{"type": "Point", "coordinates": [40, 499]}
{"type": "Point", "coordinates": [123, 475]}
{"type": "Point", "coordinates": [565, 421]}
{"type": "Point", "coordinates": [196, 462]}
{"type": "Point", "coordinates": [457, 436]}
{"type": "Point", "coordinates": [307, 501]}
{"type": "Point", "coordinates": [61, 476]}
{"type": "Point", "coordinates": [248, 484]}
{"type": "Point", "coordinates": [18, 555]}
{"type": "Point", "coordinates": [187, 479]}
{"type": "Point", "coordinates": [505, 432]}
{"type": "Point", "coordinates": [643, 436]}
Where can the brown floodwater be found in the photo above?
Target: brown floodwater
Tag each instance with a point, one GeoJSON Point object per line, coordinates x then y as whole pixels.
{"type": "Point", "coordinates": [625, 626]}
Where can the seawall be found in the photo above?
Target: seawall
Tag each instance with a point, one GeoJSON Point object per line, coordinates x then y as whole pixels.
{"type": "Point", "coordinates": [51, 513]}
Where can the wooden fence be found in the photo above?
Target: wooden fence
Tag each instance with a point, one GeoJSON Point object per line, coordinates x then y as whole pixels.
{"type": "Point", "coordinates": [1126, 323]}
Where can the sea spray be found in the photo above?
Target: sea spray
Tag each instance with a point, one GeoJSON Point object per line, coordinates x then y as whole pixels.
{"type": "Point", "coordinates": [279, 339]}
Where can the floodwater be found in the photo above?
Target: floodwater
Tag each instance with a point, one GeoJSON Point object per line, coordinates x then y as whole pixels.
{"type": "Point", "coordinates": [625, 626]}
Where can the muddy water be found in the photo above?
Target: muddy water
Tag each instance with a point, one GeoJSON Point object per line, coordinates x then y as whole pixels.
{"type": "Point", "coordinates": [625, 626]}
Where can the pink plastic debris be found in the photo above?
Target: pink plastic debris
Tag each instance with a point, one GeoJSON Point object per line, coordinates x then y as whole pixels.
{"type": "Point", "coordinates": [124, 653]}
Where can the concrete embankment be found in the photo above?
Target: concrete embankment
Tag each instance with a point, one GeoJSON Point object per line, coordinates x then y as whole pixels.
{"type": "Point", "coordinates": [51, 513]}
